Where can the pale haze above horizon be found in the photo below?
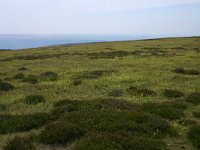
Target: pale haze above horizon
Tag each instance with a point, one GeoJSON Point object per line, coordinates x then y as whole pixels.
{"type": "Point", "coordinates": [141, 17]}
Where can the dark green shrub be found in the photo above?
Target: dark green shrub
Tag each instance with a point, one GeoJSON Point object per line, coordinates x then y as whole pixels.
{"type": "Point", "coordinates": [187, 72]}
{"type": "Point", "coordinates": [77, 82]}
{"type": "Point", "coordinates": [19, 143]}
{"type": "Point", "coordinates": [19, 76]}
{"type": "Point", "coordinates": [116, 93]}
{"type": "Point", "coordinates": [196, 114]}
{"type": "Point", "coordinates": [48, 76]}
{"type": "Point", "coordinates": [170, 111]}
{"type": "Point", "coordinates": [99, 142]}
{"type": "Point", "coordinates": [193, 72]}
{"type": "Point", "coordinates": [187, 122]}
{"type": "Point", "coordinates": [22, 69]}
{"type": "Point", "coordinates": [95, 74]}
{"type": "Point", "coordinates": [31, 79]}
{"type": "Point", "coordinates": [20, 123]}
{"type": "Point", "coordinates": [180, 70]}
{"type": "Point", "coordinates": [34, 99]}
{"type": "Point", "coordinates": [193, 136]}
{"type": "Point", "coordinates": [60, 133]}
{"type": "Point", "coordinates": [172, 93]}
{"type": "Point", "coordinates": [140, 92]}
{"type": "Point", "coordinates": [6, 86]}
{"type": "Point", "coordinates": [110, 141]}
{"type": "Point", "coordinates": [8, 79]}
{"type": "Point", "coordinates": [194, 98]}
{"type": "Point", "coordinates": [2, 107]}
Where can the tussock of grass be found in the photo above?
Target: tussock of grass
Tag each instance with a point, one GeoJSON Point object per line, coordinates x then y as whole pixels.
{"type": "Point", "coordinates": [60, 133]}
{"type": "Point", "coordinates": [77, 82]}
{"type": "Point", "coordinates": [187, 122]}
{"type": "Point", "coordinates": [95, 74]}
{"type": "Point", "coordinates": [2, 107]}
{"type": "Point", "coordinates": [20, 123]}
{"type": "Point", "coordinates": [196, 114]}
{"type": "Point", "coordinates": [31, 79]}
{"type": "Point", "coordinates": [111, 141]}
{"type": "Point", "coordinates": [194, 98]}
{"type": "Point", "coordinates": [34, 99]}
{"type": "Point", "coordinates": [22, 69]}
{"type": "Point", "coordinates": [172, 111]}
{"type": "Point", "coordinates": [193, 136]}
{"type": "Point", "coordinates": [6, 86]}
{"type": "Point", "coordinates": [187, 72]}
{"type": "Point", "coordinates": [19, 76]}
{"type": "Point", "coordinates": [116, 93]}
{"type": "Point", "coordinates": [48, 76]}
{"type": "Point", "coordinates": [140, 91]}
{"type": "Point", "coordinates": [169, 93]}
{"type": "Point", "coordinates": [19, 143]}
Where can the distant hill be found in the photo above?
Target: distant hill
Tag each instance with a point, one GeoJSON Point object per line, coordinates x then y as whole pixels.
{"type": "Point", "coordinates": [34, 41]}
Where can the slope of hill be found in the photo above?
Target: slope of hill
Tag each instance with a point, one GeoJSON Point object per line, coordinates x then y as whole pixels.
{"type": "Point", "coordinates": [134, 95]}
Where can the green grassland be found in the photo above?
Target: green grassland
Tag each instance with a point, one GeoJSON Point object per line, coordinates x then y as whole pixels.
{"type": "Point", "coordinates": [133, 95]}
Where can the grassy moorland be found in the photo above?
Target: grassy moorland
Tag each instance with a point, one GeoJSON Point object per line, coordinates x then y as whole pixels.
{"type": "Point", "coordinates": [134, 95]}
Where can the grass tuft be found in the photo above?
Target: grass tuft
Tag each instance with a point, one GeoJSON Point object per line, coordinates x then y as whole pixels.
{"type": "Point", "coordinates": [193, 136]}
{"type": "Point", "coordinates": [169, 93]}
{"type": "Point", "coordinates": [19, 143]}
{"type": "Point", "coordinates": [140, 91]}
{"type": "Point", "coordinates": [60, 133]}
{"type": "Point", "coordinates": [19, 76]}
{"type": "Point", "coordinates": [116, 93]}
{"type": "Point", "coordinates": [77, 82]}
{"type": "Point", "coordinates": [194, 98]}
{"type": "Point", "coordinates": [22, 69]}
{"type": "Point", "coordinates": [187, 72]}
{"type": "Point", "coordinates": [20, 123]}
{"type": "Point", "coordinates": [6, 86]}
{"type": "Point", "coordinates": [48, 76]}
{"type": "Point", "coordinates": [34, 99]}
{"type": "Point", "coordinates": [31, 79]}
{"type": "Point", "coordinates": [196, 114]}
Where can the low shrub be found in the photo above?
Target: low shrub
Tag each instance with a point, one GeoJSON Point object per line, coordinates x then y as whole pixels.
{"type": "Point", "coordinates": [111, 141]}
{"type": "Point", "coordinates": [77, 82]}
{"type": "Point", "coordinates": [116, 93]}
{"type": "Point", "coordinates": [196, 114]}
{"type": "Point", "coordinates": [22, 69]}
{"type": "Point", "coordinates": [194, 98]}
{"type": "Point", "coordinates": [193, 135]}
{"type": "Point", "coordinates": [20, 123]}
{"type": "Point", "coordinates": [187, 72]}
{"type": "Point", "coordinates": [6, 86]}
{"type": "Point", "coordinates": [95, 74]}
{"type": "Point", "coordinates": [19, 143]}
{"type": "Point", "coordinates": [60, 133]}
{"type": "Point", "coordinates": [19, 76]}
{"type": "Point", "coordinates": [180, 70]}
{"type": "Point", "coordinates": [31, 79]}
{"type": "Point", "coordinates": [8, 79]}
{"type": "Point", "coordinates": [172, 93]}
{"type": "Point", "coordinates": [34, 99]}
{"type": "Point", "coordinates": [140, 91]}
{"type": "Point", "coordinates": [48, 76]}
{"type": "Point", "coordinates": [2, 107]}
{"type": "Point", "coordinates": [187, 122]}
{"type": "Point", "coordinates": [172, 111]}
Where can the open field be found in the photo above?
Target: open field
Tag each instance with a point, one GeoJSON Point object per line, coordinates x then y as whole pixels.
{"type": "Point", "coordinates": [134, 95]}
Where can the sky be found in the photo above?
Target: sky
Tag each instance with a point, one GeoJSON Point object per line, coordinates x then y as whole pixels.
{"type": "Point", "coordinates": [133, 17]}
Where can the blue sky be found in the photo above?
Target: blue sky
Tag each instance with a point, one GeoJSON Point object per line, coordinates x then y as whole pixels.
{"type": "Point", "coordinates": [135, 17]}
